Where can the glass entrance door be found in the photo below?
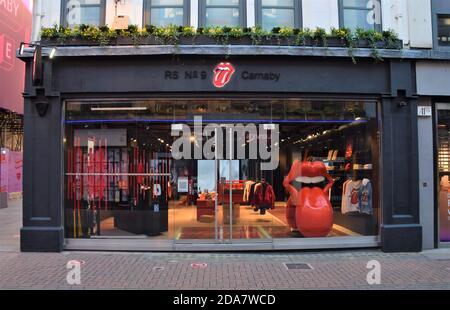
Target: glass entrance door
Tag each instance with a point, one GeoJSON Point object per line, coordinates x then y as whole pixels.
{"type": "Point", "coordinates": [443, 165]}
{"type": "Point", "coordinates": [221, 200]}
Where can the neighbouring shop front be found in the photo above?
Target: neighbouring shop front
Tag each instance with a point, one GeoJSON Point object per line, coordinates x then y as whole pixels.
{"type": "Point", "coordinates": [434, 138]}
{"type": "Point", "coordinates": [196, 152]}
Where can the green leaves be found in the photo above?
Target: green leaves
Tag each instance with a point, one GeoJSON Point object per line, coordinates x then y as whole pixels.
{"type": "Point", "coordinates": [222, 35]}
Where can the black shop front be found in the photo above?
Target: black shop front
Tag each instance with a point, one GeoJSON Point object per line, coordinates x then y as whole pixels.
{"type": "Point", "coordinates": [196, 152]}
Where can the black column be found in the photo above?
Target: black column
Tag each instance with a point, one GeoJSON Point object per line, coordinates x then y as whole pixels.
{"type": "Point", "coordinates": [400, 230]}
{"type": "Point", "coordinates": [42, 229]}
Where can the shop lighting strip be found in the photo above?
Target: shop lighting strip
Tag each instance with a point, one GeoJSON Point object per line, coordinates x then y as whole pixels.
{"type": "Point", "coordinates": [118, 174]}
{"type": "Point", "coordinates": [118, 108]}
{"type": "Point", "coordinates": [134, 120]}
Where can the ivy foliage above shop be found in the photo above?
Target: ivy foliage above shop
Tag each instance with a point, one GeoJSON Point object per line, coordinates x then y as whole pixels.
{"type": "Point", "coordinates": [179, 35]}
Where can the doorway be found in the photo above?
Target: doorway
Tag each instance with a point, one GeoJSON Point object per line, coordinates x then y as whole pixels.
{"type": "Point", "coordinates": [443, 171]}
{"type": "Point", "coordinates": [211, 196]}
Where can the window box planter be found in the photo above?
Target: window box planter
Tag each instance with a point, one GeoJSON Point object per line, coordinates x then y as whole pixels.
{"type": "Point", "coordinates": [337, 42]}
{"type": "Point", "coordinates": [365, 43]}
{"type": "Point", "coordinates": [150, 40]}
{"type": "Point", "coordinates": [397, 44]}
{"type": "Point", "coordinates": [307, 41]}
{"type": "Point", "coordinates": [70, 42]}
{"type": "Point", "coordinates": [274, 40]}
{"type": "Point", "coordinates": [197, 40]}
{"type": "Point", "coordinates": [122, 40]}
{"type": "Point", "coordinates": [245, 40]}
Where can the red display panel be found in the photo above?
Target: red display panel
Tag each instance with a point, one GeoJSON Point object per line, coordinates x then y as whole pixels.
{"type": "Point", "coordinates": [15, 27]}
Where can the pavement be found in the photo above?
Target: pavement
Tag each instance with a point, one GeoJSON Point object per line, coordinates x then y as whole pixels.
{"type": "Point", "coordinates": [349, 269]}
{"type": "Point", "coordinates": [10, 223]}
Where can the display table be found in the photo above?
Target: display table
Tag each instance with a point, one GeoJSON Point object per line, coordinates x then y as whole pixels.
{"type": "Point", "coordinates": [205, 207]}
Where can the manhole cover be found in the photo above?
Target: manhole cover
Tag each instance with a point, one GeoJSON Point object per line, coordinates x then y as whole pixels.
{"type": "Point", "coordinates": [199, 265]}
{"type": "Point", "coordinates": [298, 266]}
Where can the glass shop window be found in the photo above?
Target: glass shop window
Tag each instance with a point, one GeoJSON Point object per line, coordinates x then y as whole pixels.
{"type": "Point", "coordinates": [443, 31]}
{"type": "Point", "coordinates": [83, 12]}
{"type": "Point", "coordinates": [218, 13]}
{"type": "Point", "coordinates": [278, 13]}
{"type": "Point", "coordinates": [363, 14]}
{"type": "Point", "coordinates": [166, 12]}
{"type": "Point", "coordinates": [122, 178]}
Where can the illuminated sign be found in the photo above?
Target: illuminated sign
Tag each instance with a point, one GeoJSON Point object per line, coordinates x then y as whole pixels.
{"type": "Point", "coordinates": [15, 27]}
{"type": "Point", "coordinates": [222, 74]}
{"type": "Point", "coordinates": [7, 56]}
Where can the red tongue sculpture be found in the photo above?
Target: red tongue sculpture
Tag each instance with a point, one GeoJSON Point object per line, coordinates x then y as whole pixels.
{"type": "Point", "coordinates": [309, 210]}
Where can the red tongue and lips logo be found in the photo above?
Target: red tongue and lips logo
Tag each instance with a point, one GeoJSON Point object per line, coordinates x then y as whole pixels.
{"type": "Point", "coordinates": [309, 209]}
{"type": "Point", "coordinates": [222, 74]}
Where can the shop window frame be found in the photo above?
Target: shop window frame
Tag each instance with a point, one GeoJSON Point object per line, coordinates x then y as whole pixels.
{"type": "Point", "coordinates": [342, 8]}
{"type": "Point", "coordinates": [148, 6]}
{"type": "Point", "coordinates": [298, 14]}
{"type": "Point", "coordinates": [439, 7]}
{"type": "Point", "coordinates": [102, 5]}
{"type": "Point", "coordinates": [438, 104]}
{"type": "Point", "coordinates": [242, 6]}
{"type": "Point", "coordinates": [436, 32]}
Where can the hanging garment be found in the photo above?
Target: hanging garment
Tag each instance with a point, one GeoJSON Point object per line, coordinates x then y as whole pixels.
{"type": "Point", "coordinates": [251, 192]}
{"type": "Point", "coordinates": [247, 187]}
{"type": "Point", "coordinates": [351, 197]}
{"type": "Point", "coordinates": [264, 196]}
{"type": "Point", "coordinates": [344, 209]}
{"type": "Point", "coordinates": [366, 197]}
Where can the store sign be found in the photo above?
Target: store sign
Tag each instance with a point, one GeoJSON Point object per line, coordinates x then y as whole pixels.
{"type": "Point", "coordinates": [222, 74]}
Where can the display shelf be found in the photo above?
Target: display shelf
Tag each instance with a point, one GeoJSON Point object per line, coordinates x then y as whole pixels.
{"type": "Point", "coordinates": [443, 151]}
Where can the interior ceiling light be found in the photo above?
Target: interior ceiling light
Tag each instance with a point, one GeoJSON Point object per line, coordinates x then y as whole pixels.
{"type": "Point", "coordinates": [118, 108]}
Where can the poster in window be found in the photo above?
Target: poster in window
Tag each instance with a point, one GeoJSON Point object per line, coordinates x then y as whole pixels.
{"type": "Point", "coordinates": [183, 184]}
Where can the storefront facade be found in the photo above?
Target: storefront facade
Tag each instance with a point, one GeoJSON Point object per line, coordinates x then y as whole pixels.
{"type": "Point", "coordinates": [102, 170]}
{"type": "Point", "coordinates": [433, 78]}
{"type": "Point", "coordinates": [435, 124]}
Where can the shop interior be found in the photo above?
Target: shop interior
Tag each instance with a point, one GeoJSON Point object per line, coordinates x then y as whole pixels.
{"type": "Point", "coordinates": [443, 163]}
{"type": "Point", "coordinates": [122, 181]}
